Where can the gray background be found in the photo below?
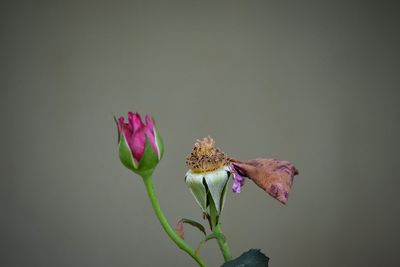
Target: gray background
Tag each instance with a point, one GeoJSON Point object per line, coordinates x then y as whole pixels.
{"type": "Point", "coordinates": [316, 83]}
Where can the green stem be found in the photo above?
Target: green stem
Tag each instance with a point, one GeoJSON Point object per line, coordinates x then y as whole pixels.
{"type": "Point", "coordinates": [223, 245]}
{"type": "Point", "coordinates": [216, 228]}
{"type": "Point", "coordinates": [148, 182]}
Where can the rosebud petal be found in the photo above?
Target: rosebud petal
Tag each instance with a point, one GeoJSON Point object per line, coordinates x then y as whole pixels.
{"type": "Point", "coordinates": [151, 134]}
{"type": "Point", "coordinates": [135, 120]}
{"type": "Point", "coordinates": [120, 126]}
{"type": "Point", "coordinates": [137, 143]}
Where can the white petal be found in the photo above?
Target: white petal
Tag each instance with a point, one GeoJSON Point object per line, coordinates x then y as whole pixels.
{"type": "Point", "coordinates": [223, 197]}
{"type": "Point", "coordinates": [196, 186]}
{"type": "Point", "coordinates": [216, 182]}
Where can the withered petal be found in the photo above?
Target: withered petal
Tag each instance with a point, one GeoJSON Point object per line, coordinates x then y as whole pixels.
{"type": "Point", "coordinates": [273, 176]}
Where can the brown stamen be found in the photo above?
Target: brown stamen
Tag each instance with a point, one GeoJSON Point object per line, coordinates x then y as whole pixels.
{"type": "Point", "coordinates": [205, 157]}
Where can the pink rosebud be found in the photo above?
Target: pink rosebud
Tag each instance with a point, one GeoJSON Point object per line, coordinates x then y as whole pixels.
{"type": "Point", "coordinates": [273, 176]}
{"type": "Point", "coordinates": [140, 145]}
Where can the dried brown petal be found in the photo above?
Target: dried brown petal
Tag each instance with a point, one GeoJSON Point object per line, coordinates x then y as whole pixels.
{"type": "Point", "coordinates": [273, 176]}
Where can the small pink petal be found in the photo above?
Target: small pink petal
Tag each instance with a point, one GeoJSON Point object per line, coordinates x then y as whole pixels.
{"type": "Point", "coordinates": [135, 121]}
{"type": "Point", "coordinates": [121, 124]}
{"type": "Point", "coordinates": [125, 128]}
{"type": "Point", "coordinates": [134, 132]}
{"type": "Point", "coordinates": [238, 180]}
{"type": "Point", "coordinates": [137, 144]}
{"type": "Point", "coordinates": [151, 134]}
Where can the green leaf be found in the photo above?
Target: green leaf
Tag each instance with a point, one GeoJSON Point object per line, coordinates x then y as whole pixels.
{"type": "Point", "coordinates": [251, 258]}
{"type": "Point", "coordinates": [194, 224]}
{"type": "Point", "coordinates": [179, 227]}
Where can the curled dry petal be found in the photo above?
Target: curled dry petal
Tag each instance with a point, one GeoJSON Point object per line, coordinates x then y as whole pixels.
{"type": "Point", "coordinates": [273, 176]}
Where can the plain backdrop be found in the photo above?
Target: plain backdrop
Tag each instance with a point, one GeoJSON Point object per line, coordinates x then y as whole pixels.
{"type": "Point", "coordinates": [312, 82]}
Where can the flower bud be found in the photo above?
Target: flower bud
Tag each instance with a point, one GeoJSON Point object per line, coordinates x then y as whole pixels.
{"type": "Point", "coordinates": [140, 146]}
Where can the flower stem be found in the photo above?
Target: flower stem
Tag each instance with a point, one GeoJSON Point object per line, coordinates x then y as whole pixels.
{"type": "Point", "coordinates": [216, 228]}
{"type": "Point", "coordinates": [148, 182]}
{"type": "Point", "coordinates": [223, 245]}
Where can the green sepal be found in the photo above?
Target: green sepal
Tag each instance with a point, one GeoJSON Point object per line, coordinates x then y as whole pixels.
{"type": "Point", "coordinates": [116, 122]}
{"type": "Point", "coordinates": [149, 160]}
{"type": "Point", "coordinates": [146, 165]}
{"type": "Point", "coordinates": [125, 154]}
{"type": "Point", "coordinates": [159, 142]}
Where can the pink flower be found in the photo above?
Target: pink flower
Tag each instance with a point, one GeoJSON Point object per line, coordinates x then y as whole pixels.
{"type": "Point", "coordinates": [140, 146]}
{"type": "Point", "coordinates": [273, 176]}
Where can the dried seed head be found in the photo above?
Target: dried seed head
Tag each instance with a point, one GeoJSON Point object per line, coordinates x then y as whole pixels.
{"type": "Point", "coordinates": [205, 157]}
